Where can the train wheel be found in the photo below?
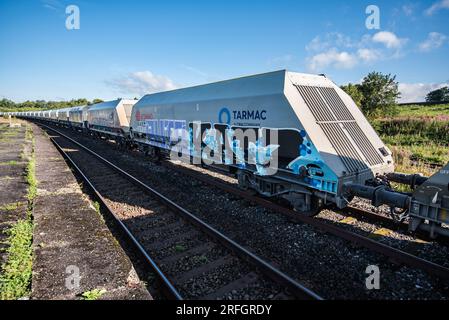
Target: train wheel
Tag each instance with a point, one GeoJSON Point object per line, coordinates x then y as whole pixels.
{"type": "Point", "coordinates": [309, 208]}
{"type": "Point", "coordinates": [154, 154]}
{"type": "Point", "coordinates": [120, 144]}
{"type": "Point", "coordinates": [311, 213]}
{"type": "Point", "coordinates": [243, 180]}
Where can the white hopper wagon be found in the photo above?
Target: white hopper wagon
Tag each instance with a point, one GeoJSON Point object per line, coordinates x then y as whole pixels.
{"type": "Point", "coordinates": [111, 117]}
{"type": "Point", "coordinates": [324, 140]}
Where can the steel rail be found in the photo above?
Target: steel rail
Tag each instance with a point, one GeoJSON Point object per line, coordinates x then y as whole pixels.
{"type": "Point", "coordinates": [276, 275]}
{"type": "Point", "coordinates": [358, 213]}
{"type": "Point", "coordinates": [393, 253]}
{"type": "Point", "coordinates": [371, 216]}
{"type": "Point", "coordinates": [170, 289]}
{"type": "Point", "coordinates": [361, 214]}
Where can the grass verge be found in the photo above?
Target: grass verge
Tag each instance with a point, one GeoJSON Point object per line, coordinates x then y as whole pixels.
{"type": "Point", "coordinates": [15, 276]}
{"type": "Point", "coordinates": [11, 206]}
{"type": "Point", "coordinates": [418, 137]}
{"type": "Point", "coordinates": [9, 163]}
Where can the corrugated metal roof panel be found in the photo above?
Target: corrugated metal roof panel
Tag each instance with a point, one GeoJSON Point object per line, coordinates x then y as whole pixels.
{"type": "Point", "coordinates": [347, 138]}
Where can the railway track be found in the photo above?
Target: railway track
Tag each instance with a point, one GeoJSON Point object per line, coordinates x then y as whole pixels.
{"type": "Point", "coordinates": [394, 254]}
{"type": "Point", "coordinates": [388, 222]}
{"type": "Point", "coordinates": [191, 259]}
{"type": "Point", "coordinates": [355, 212]}
{"type": "Point", "coordinates": [131, 162]}
{"type": "Point", "coordinates": [362, 214]}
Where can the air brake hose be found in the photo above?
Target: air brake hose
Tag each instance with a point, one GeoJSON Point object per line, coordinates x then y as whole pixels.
{"type": "Point", "coordinates": [379, 195]}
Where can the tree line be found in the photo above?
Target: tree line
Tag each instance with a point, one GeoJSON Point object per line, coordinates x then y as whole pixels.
{"type": "Point", "coordinates": [11, 106]}
{"type": "Point", "coordinates": [378, 93]}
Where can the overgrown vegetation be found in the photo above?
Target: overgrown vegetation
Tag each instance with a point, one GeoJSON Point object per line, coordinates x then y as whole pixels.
{"type": "Point", "coordinates": [418, 137]}
{"type": "Point", "coordinates": [354, 91]}
{"type": "Point", "coordinates": [29, 134]}
{"type": "Point", "coordinates": [16, 272]}
{"type": "Point", "coordinates": [10, 106]}
{"type": "Point", "coordinates": [9, 163]}
{"type": "Point", "coordinates": [15, 278]}
{"type": "Point", "coordinates": [94, 294]}
{"type": "Point", "coordinates": [11, 206]}
{"type": "Point", "coordinates": [200, 259]}
{"type": "Point", "coordinates": [31, 179]}
{"type": "Point", "coordinates": [439, 95]}
{"type": "Point", "coordinates": [97, 207]}
{"type": "Point", "coordinates": [431, 112]}
{"type": "Point", "coordinates": [180, 248]}
{"type": "Point", "coordinates": [376, 95]}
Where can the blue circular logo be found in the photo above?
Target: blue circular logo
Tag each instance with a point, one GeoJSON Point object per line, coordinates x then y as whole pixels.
{"type": "Point", "coordinates": [228, 116]}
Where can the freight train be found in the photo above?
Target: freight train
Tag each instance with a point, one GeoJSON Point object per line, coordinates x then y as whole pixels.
{"type": "Point", "coordinates": [286, 135]}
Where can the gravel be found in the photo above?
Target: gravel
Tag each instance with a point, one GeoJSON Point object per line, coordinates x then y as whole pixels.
{"type": "Point", "coordinates": [328, 265]}
{"type": "Point", "coordinates": [165, 235]}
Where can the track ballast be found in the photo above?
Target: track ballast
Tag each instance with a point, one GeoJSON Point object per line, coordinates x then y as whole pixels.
{"type": "Point", "coordinates": [191, 259]}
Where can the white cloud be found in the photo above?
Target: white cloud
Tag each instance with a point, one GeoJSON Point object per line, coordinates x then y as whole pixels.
{"type": "Point", "coordinates": [442, 4]}
{"type": "Point", "coordinates": [332, 39]}
{"type": "Point", "coordinates": [434, 41]}
{"type": "Point", "coordinates": [369, 55]}
{"type": "Point", "coordinates": [316, 44]}
{"type": "Point", "coordinates": [53, 4]}
{"type": "Point", "coordinates": [141, 83]}
{"type": "Point", "coordinates": [416, 92]}
{"type": "Point", "coordinates": [333, 58]}
{"type": "Point", "coordinates": [407, 9]}
{"type": "Point", "coordinates": [336, 50]}
{"type": "Point", "coordinates": [389, 39]}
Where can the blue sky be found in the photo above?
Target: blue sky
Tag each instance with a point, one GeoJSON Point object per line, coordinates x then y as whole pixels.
{"type": "Point", "coordinates": [129, 48]}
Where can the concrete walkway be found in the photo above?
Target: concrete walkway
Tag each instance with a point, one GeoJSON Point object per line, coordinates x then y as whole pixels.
{"type": "Point", "coordinates": [74, 250]}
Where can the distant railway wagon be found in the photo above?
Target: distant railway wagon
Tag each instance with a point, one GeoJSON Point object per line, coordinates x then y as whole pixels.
{"type": "Point", "coordinates": [78, 116]}
{"type": "Point", "coordinates": [111, 117]}
{"type": "Point", "coordinates": [63, 115]}
{"type": "Point", "coordinates": [53, 115]}
{"type": "Point", "coordinates": [283, 134]}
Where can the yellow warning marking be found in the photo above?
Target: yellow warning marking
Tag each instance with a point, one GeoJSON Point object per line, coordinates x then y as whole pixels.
{"type": "Point", "coordinates": [382, 232]}
{"type": "Point", "coordinates": [443, 216]}
{"type": "Point", "coordinates": [416, 240]}
{"type": "Point", "coordinates": [348, 220]}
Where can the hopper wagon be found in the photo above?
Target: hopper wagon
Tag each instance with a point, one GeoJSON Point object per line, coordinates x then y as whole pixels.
{"type": "Point", "coordinates": [286, 135]}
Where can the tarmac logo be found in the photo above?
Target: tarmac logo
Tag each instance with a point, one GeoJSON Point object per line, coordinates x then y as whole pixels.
{"type": "Point", "coordinates": [72, 282]}
{"type": "Point", "coordinates": [224, 116]}
{"type": "Point", "coordinates": [373, 280]}
{"type": "Point", "coordinates": [224, 111]}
